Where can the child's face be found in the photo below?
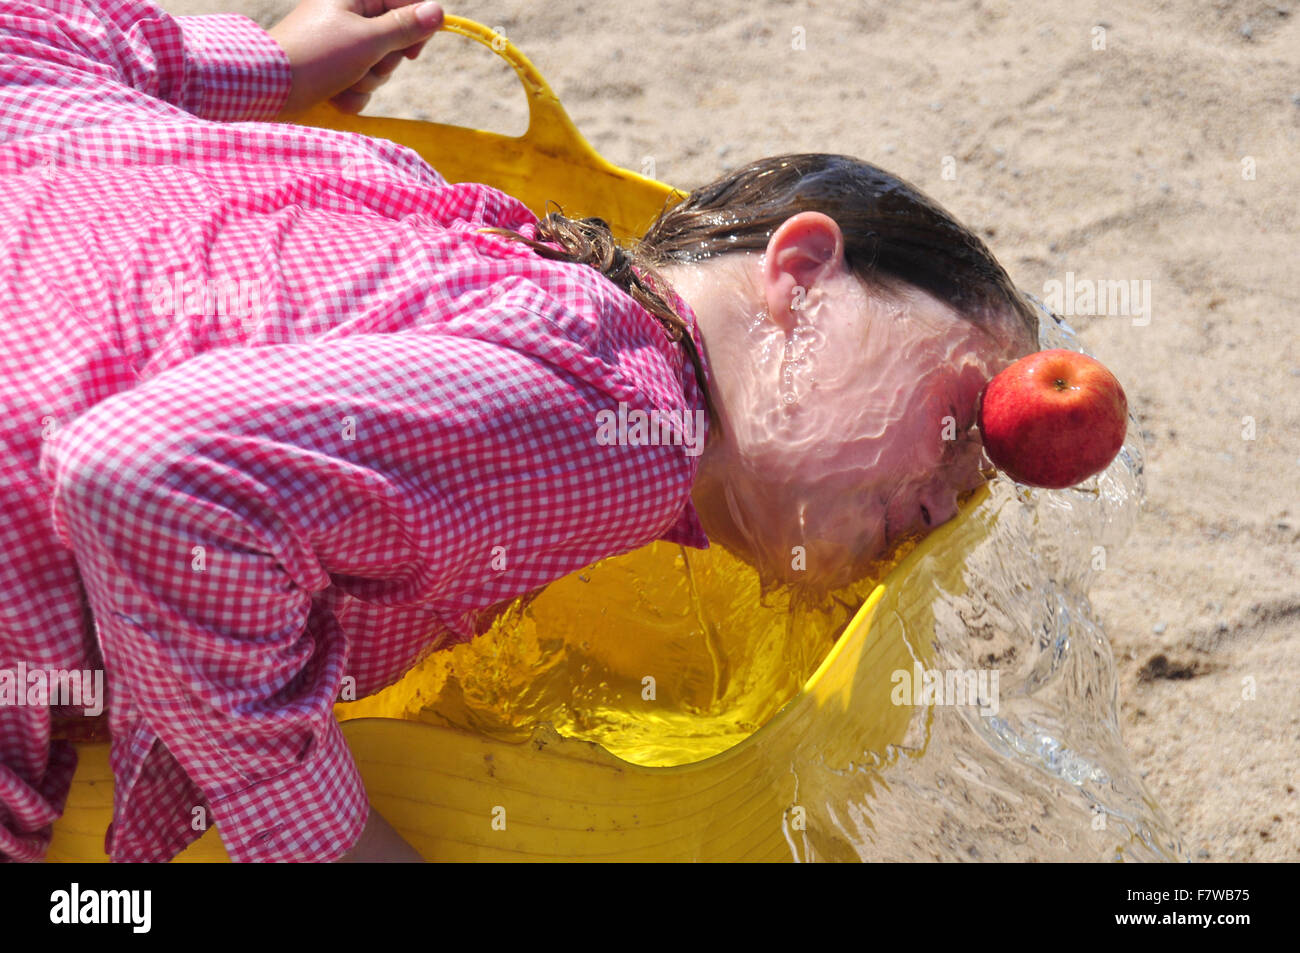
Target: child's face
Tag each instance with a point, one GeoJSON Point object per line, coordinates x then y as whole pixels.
{"type": "Point", "coordinates": [847, 430]}
{"type": "Point", "coordinates": [889, 440]}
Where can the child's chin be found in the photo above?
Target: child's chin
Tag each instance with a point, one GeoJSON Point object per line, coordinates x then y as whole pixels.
{"type": "Point", "coordinates": [823, 572]}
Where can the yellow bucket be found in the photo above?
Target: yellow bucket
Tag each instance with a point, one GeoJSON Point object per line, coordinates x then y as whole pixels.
{"type": "Point", "coordinates": [680, 692]}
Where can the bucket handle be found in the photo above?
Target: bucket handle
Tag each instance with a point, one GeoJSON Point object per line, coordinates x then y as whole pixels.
{"type": "Point", "coordinates": [550, 130]}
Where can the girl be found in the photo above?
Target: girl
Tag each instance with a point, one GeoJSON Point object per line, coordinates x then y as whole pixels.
{"type": "Point", "coordinates": [284, 408]}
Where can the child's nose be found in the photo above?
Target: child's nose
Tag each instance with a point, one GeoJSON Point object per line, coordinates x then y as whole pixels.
{"type": "Point", "coordinates": [938, 505]}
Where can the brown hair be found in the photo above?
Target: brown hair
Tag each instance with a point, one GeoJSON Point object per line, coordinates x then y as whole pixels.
{"type": "Point", "coordinates": [894, 235]}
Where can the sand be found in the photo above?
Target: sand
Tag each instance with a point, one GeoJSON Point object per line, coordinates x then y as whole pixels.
{"type": "Point", "coordinates": [1169, 156]}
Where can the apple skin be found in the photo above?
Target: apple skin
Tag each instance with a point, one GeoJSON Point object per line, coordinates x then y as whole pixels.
{"type": "Point", "coordinates": [1053, 419]}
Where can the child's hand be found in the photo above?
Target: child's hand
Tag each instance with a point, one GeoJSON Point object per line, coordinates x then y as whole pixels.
{"type": "Point", "coordinates": [380, 844]}
{"type": "Point", "coordinates": [343, 50]}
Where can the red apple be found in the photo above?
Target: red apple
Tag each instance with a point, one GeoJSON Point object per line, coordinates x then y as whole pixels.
{"type": "Point", "coordinates": [1053, 419]}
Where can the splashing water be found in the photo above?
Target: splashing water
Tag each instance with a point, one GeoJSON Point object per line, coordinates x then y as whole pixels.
{"type": "Point", "coordinates": [1046, 777]}
{"type": "Point", "coordinates": [1029, 767]}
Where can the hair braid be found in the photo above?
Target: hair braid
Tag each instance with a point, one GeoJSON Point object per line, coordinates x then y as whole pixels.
{"type": "Point", "coordinates": [590, 241]}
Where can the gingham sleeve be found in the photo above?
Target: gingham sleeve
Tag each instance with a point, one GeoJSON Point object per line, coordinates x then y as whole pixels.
{"type": "Point", "coordinates": [240, 72]}
{"type": "Point", "coordinates": [210, 507]}
{"type": "Point", "coordinates": [219, 67]}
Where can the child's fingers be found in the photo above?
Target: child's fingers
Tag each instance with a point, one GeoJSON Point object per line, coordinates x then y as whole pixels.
{"type": "Point", "coordinates": [366, 84]}
{"type": "Point", "coordinates": [403, 26]}
{"type": "Point", "coordinates": [378, 75]}
{"type": "Point", "coordinates": [411, 52]}
{"type": "Point", "coordinates": [350, 101]}
{"type": "Point", "coordinates": [380, 72]}
{"type": "Point", "coordinates": [384, 68]}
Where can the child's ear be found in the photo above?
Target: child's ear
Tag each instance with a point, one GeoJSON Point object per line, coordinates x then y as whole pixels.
{"type": "Point", "coordinates": [805, 249]}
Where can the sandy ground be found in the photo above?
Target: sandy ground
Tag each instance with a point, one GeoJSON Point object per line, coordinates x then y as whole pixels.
{"type": "Point", "coordinates": [1169, 156]}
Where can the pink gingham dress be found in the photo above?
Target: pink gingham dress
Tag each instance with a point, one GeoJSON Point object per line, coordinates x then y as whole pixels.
{"type": "Point", "coordinates": [274, 416]}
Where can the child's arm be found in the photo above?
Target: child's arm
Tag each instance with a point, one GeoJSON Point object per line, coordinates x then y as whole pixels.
{"type": "Point", "coordinates": [220, 510]}
{"type": "Point", "coordinates": [218, 67]}
{"type": "Point", "coordinates": [106, 61]}
{"type": "Point", "coordinates": [380, 844]}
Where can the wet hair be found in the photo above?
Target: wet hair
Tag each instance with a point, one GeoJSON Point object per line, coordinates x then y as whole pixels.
{"type": "Point", "coordinates": [894, 236]}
